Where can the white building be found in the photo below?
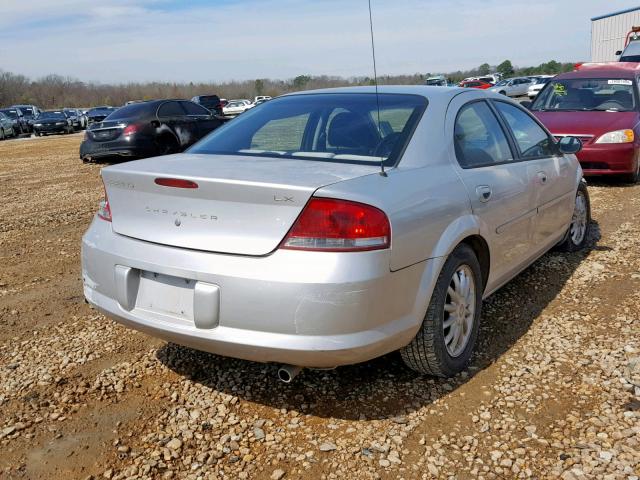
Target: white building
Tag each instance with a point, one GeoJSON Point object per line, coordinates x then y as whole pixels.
{"type": "Point", "coordinates": [608, 33]}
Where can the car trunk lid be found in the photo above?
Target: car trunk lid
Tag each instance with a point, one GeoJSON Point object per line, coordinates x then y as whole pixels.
{"type": "Point", "coordinates": [241, 205]}
{"type": "Point", "coordinates": [105, 131]}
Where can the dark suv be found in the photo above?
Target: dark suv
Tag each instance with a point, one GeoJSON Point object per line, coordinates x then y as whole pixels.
{"type": "Point", "coordinates": [145, 129]}
{"type": "Point", "coordinates": [210, 102]}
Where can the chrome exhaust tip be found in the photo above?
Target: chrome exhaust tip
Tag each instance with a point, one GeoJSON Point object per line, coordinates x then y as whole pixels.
{"type": "Point", "coordinates": [286, 373]}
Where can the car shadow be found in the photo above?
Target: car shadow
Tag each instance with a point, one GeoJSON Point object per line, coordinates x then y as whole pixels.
{"type": "Point", "coordinates": [384, 387]}
{"type": "Point", "coordinates": [609, 181]}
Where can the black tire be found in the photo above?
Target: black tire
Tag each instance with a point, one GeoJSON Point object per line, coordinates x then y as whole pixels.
{"type": "Point", "coordinates": [427, 352]}
{"type": "Point", "coordinates": [167, 145]}
{"type": "Point", "coordinates": [633, 177]}
{"type": "Point", "coordinates": [2, 137]}
{"type": "Point", "coordinates": [572, 242]}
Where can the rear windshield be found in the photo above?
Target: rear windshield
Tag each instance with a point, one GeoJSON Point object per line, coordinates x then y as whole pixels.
{"type": "Point", "coordinates": [587, 94]}
{"type": "Point", "coordinates": [58, 115]}
{"type": "Point", "coordinates": [129, 111]}
{"type": "Point", "coordinates": [332, 127]}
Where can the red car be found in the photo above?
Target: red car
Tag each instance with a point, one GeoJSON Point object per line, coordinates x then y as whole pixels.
{"type": "Point", "coordinates": [599, 104]}
{"type": "Point", "coordinates": [475, 84]}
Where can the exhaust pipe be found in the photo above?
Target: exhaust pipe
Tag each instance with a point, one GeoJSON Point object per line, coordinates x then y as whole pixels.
{"type": "Point", "coordinates": [286, 373]}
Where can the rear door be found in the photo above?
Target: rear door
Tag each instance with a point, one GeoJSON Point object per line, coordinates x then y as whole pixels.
{"type": "Point", "coordinates": [554, 175]}
{"type": "Point", "coordinates": [171, 115]}
{"type": "Point", "coordinates": [205, 121]}
{"type": "Point", "coordinates": [498, 185]}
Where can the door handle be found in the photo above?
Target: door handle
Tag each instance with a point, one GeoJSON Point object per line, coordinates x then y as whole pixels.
{"type": "Point", "coordinates": [542, 176]}
{"type": "Point", "coordinates": [484, 193]}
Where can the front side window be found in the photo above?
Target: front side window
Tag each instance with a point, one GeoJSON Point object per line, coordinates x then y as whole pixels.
{"type": "Point", "coordinates": [532, 140]}
{"type": "Point", "coordinates": [478, 137]}
{"type": "Point", "coordinates": [335, 127]}
{"type": "Point", "coordinates": [587, 94]}
{"type": "Point", "coordinates": [170, 109]}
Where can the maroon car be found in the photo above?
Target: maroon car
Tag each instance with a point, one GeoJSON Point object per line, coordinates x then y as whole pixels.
{"type": "Point", "coordinates": [599, 104]}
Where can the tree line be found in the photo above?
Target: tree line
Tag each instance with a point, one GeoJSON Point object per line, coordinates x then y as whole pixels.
{"type": "Point", "coordinates": [55, 91]}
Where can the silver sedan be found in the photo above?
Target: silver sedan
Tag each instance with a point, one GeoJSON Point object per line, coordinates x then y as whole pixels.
{"type": "Point", "coordinates": [330, 227]}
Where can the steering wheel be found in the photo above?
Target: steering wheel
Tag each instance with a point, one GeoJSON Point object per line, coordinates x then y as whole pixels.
{"type": "Point", "coordinates": [386, 145]}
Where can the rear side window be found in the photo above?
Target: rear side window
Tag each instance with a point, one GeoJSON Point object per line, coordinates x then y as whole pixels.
{"type": "Point", "coordinates": [170, 109]}
{"type": "Point", "coordinates": [479, 138]}
{"type": "Point", "coordinates": [194, 109]}
{"type": "Point", "coordinates": [532, 140]}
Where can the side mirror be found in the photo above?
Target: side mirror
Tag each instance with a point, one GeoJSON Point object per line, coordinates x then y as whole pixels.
{"type": "Point", "coordinates": [618, 52]}
{"type": "Point", "coordinates": [569, 145]}
{"type": "Point", "coordinates": [526, 104]}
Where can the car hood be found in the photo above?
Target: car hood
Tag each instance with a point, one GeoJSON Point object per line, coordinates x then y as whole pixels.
{"type": "Point", "coordinates": [587, 123]}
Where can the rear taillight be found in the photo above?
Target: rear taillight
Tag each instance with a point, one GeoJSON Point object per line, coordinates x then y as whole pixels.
{"type": "Point", "coordinates": [104, 210]}
{"type": "Point", "coordinates": [131, 129]}
{"type": "Point", "coordinates": [329, 225]}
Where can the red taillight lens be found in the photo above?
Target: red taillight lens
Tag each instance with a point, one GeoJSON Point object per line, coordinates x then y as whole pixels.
{"type": "Point", "coordinates": [131, 129]}
{"type": "Point", "coordinates": [329, 225]}
{"type": "Point", "coordinates": [104, 210]}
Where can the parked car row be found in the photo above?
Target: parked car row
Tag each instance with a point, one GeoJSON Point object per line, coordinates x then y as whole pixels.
{"type": "Point", "coordinates": [23, 119]}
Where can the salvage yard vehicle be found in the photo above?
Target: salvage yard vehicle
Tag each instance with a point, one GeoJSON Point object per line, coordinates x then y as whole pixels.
{"type": "Point", "coordinates": [6, 127]}
{"type": "Point", "coordinates": [538, 85]}
{"type": "Point", "coordinates": [330, 227]}
{"type": "Point", "coordinates": [53, 121]}
{"type": "Point", "coordinates": [210, 102]}
{"type": "Point", "coordinates": [76, 117]}
{"type": "Point", "coordinates": [144, 129]}
{"type": "Point", "coordinates": [598, 103]}
{"type": "Point", "coordinates": [30, 113]}
{"type": "Point", "coordinates": [512, 87]}
{"type": "Point", "coordinates": [18, 120]}
{"type": "Point", "coordinates": [475, 84]}
{"type": "Point", "coordinates": [236, 107]}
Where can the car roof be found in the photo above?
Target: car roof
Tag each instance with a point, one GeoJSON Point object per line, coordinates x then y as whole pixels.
{"type": "Point", "coordinates": [608, 69]}
{"type": "Point", "coordinates": [422, 90]}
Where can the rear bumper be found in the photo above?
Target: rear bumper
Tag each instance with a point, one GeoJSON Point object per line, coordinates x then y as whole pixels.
{"type": "Point", "coordinates": [117, 148]}
{"type": "Point", "coordinates": [609, 159]}
{"type": "Point", "coordinates": [309, 309]}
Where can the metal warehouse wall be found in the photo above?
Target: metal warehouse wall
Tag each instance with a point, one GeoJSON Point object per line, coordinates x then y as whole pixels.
{"type": "Point", "coordinates": [608, 34]}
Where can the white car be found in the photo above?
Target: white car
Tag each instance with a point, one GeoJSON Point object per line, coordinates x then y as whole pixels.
{"type": "Point", "coordinates": [539, 84]}
{"type": "Point", "coordinates": [512, 87]}
{"type": "Point", "coordinates": [236, 107]}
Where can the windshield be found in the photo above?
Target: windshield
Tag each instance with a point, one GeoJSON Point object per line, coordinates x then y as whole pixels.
{"type": "Point", "coordinates": [70, 112]}
{"type": "Point", "coordinates": [27, 111]}
{"type": "Point", "coordinates": [587, 94]}
{"type": "Point", "coordinates": [101, 111]}
{"type": "Point", "coordinates": [10, 113]}
{"type": "Point", "coordinates": [54, 115]}
{"type": "Point", "coordinates": [331, 127]}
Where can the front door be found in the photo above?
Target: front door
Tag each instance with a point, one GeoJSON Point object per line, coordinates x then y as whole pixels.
{"type": "Point", "coordinates": [554, 174]}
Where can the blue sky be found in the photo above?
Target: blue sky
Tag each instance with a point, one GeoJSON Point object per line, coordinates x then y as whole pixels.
{"type": "Point", "coordinates": [215, 40]}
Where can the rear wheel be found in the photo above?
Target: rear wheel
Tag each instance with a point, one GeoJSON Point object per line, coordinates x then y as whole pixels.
{"type": "Point", "coordinates": [576, 237]}
{"type": "Point", "coordinates": [167, 145]}
{"type": "Point", "coordinates": [444, 344]}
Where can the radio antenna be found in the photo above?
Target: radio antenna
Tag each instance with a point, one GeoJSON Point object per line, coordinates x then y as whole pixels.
{"type": "Point", "coordinates": [375, 80]}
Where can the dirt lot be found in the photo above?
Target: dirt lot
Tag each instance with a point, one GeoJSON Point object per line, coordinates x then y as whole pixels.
{"type": "Point", "coordinates": [553, 392]}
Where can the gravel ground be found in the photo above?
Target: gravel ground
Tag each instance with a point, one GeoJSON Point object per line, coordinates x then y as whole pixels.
{"type": "Point", "coordinates": [554, 391]}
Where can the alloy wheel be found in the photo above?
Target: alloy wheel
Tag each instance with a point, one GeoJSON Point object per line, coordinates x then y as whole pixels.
{"type": "Point", "coordinates": [459, 310]}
